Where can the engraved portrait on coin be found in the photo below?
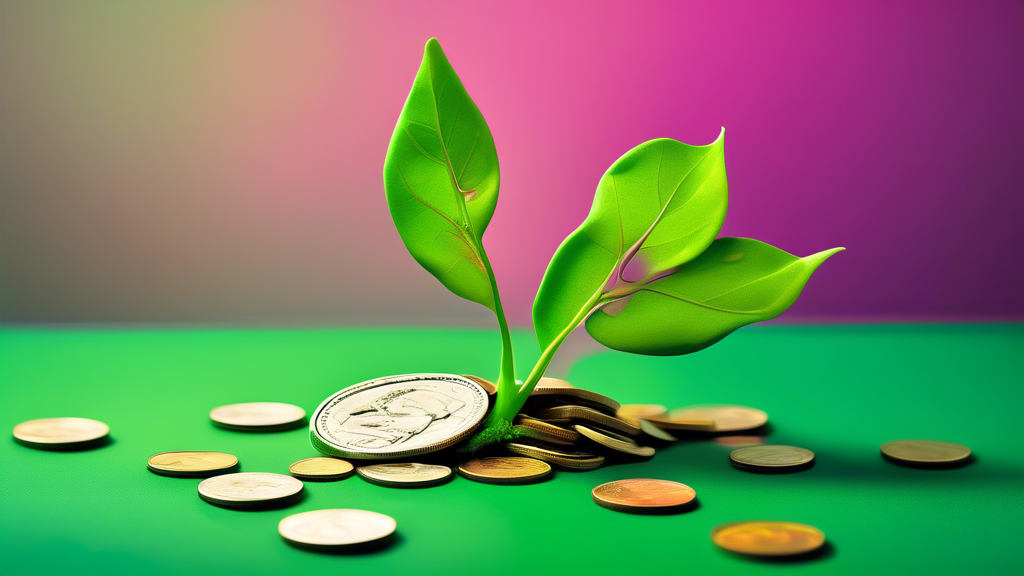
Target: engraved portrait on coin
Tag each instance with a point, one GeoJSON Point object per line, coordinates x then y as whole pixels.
{"type": "Point", "coordinates": [398, 416]}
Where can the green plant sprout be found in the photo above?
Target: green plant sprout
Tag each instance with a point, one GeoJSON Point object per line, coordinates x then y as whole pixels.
{"type": "Point", "coordinates": [656, 214]}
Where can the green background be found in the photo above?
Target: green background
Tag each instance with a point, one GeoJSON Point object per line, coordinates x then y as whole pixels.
{"type": "Point", "coordinates": [840, 391]}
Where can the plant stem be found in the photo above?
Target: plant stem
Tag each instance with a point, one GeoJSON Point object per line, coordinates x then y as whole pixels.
{"type": "Point", "coordinates": [507, 374]}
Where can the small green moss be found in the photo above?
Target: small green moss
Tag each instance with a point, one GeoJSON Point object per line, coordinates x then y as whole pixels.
{"type": "Point", "coordinates": [501, 431]}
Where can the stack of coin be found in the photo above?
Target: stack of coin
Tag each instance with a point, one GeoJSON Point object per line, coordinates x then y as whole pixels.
{"type": "Point", "coordinates": [577, 429]}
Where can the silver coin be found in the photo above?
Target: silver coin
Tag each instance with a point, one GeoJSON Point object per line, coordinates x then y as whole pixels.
{"type": "Point", "coordinates": [336, 527]}
{"type": "Point", "coordinates": [398, 416]}
{"type": "Point", "coordinates": [60, 432]}
{"type": "Point", "coordinates": [257, 415]}
{"type": "Point", "coordinates": [248, 488]}
{"type": "Point", "coordinates": [405, 474]}
{"type": "Point", "coordinates": [771, 457]}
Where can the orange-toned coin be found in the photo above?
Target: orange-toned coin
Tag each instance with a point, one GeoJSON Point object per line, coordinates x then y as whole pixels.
{"type": "Point", "coordinates": [642, 495]}
{"type": "Point", "coordinates": [768, 538]}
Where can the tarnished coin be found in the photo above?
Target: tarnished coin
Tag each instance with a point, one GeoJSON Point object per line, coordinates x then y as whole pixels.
{"type": "Point", "coordinates": [505, 470]}
{"type": "Point", "coordinates": [634, 412]}
{"type": "Point", "coordinates": [544, 432]}
{"type": "Point", "coordinates": [768, 538]}
{"type": "Point", "coordinates": [579, 461]}
{"type": "Point", "coordinates": [490, 387]}
{"type": "Point", "coordinates": [336, 528]}
{"type": "Point", "coordinates": [927, 452]}
{"type": "Point", "coordinates": [771, 457]}
{"type": "Point", "coordinates": [621, 444]}
{"type": "Point", "coordinates": [582, 415]}
{"type": "Point", "coordinates": [321, 469]}
{"type": "Point", "coordinates": [258, 416]}
{"type": "Point", "coordinates": [398, 416]}
{"type": "Point", "coordinates": [643, 495]}
{"type": "Point", "coordinates": [248, 489]}
{"type": "Point", "coordinates": [726, 417]}
{"type": "Point", "coordinates": [60, 433]}
{"type": "Point", "coordinates": [191, 464]}
{"type": "Point", "coordinates": [406, 474]}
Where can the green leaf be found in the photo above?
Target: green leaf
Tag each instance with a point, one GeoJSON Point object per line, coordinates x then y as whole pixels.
{"type": "Point", "coordinates": [737, 281]}
{"type": "Point", "coordinates": [441, 177]}
{"type": "Point", "coordinates": [662, 202]}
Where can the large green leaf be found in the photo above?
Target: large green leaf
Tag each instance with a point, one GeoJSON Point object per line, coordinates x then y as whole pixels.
{"type": "Point", "coordinates": [737, 281]}
{"type": "Point", "coordinates": [441, 178]}
{"type": "Point", "coordinates": [662, 202]}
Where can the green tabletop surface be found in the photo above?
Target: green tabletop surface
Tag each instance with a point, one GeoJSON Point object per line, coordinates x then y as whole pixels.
{"type": "Point", "coordinates": [840, 391]}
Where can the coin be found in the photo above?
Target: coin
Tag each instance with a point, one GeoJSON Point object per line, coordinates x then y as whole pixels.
{"type": "Point", "coordinates": [336, 528]}
{"type": "Point", "coordinates": [398, 416]}
{"type": "Point", "coordinates": [727, 417]}
{"type": "Point", "coordinates": [248, 489]}
{"type": "Point", "coordinates": [655, 432]}
{"type": "Point", "coordinates": [739, 440]}
{"type": "Point", "coordinates": [258, 416]}
{"type": "Point", "coordinates": [634, 412]}
{"type": "Point", "coordinates": [60, 433]}
{"type": "Point", "coordinates": [490, 387]}
{"type": "Point", "coordinates": [926, 452]}
{"type": "Point", "coordinates": [405, 474]}
{"type": "Point", "coordinates": [768, 538]}
{"type": "Point", "coordinates": [191, 464]}
{"type": "Point", "coordinates": [620, 444]}
{"type": "Point", "coordinates": [643, 495]}
{"type": "Point", "coordinates": [543, 431]}
{"type": "Point", "coordinates": [505, 470]}
{"type": "Point", "coordinates": [583, 415]}
{"type": "Point", "coordinates": [771, 458]}
{"type": "Point", "coordinates": [570, 460]}
{"type": "Point", "coordinates": [321, 469]}
{"type": "Point", "coordinates": [560, 388]}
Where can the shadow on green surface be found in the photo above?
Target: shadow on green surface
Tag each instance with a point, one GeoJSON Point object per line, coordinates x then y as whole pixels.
{"type": "Point", "coordinates": [826, 551]}
{"type": "Point", "coordinates": [394, 540]}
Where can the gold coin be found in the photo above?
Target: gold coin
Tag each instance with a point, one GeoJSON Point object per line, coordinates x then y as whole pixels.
{"type": "Point", "coordinates": [739, 440]}
{"type": "Point", "coordinates": [727, 417]}
{"type": "Point", "coordinates": [926, 451]}
{"type": "Point", "coordinates": [632, 413]}
{"type": "Point", "coordinates": [55, 433]}
{"type": "Point", "coordinates": [321, 468]}
{"type": "Point", "coordinates": [405, 474]}
{"type": "Point", "coordinates": [642, 495]}
{"type": "Point", "coordinates": [543, 431]}
{"type": "Point", "coordinates": [258, 416]}
{"type": "Point", "coordinates": [770, 457]}
{"type": "Point", "coordinates": [768, 538]}
{"type": "Point", "coordinates": [582, 415]}
{"type": "Point", "coordinates": [336, 528]}
{"type": "Point", "coordinates": [191, 464]}
{"type": "Point", "coordinates": [560, 388]}
{"type": "Point", "coordinates": [620, 444]}
{"type": "Point", "coordinates": [505, 470]}
{"type": "Point", "coordinates": [490, 387]}
{"type": "Point", "coordinates": [569, 460]}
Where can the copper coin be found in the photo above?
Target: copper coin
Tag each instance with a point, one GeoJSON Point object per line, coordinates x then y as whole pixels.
{"type": "Point", "coordinates": [727, 417]}
{"type": "Point", "coordinates": [768, 538]}
{"type": "Point", "coordinates": [926, 451]}
{"type": "Point", "coordinates": [505, 470]}
{"type": "Point", "coordinates": [642, 495]}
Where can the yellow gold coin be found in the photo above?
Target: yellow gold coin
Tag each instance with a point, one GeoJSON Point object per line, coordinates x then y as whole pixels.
{"type": "Point", "coordinates": [620, 444]}
{"type": "Point", "coordinates": [570, 414]}
{"type": "Point", "coordinates": [768, 538]}
{"type": "Point", "coordinates": [569, 460]}
{"type": "Point", "coordinates": [321, 468]}
{"type": "Point", "coordinates": [931, 452]}
{"type": "Point", "coordinates": [553, 388]}
{"type": "Point", "coordinates": [540, 430]}
{"type": "Point", "coordinates": [191, 464]}
{"type": "Point", "coordinates": [632, 413]}
{"type": "Point", "coordinates": [726, 417]}
{"type": "Point", "coordinates": [60, 433]}
{"type": "Point", "coordinates": [505, 470]}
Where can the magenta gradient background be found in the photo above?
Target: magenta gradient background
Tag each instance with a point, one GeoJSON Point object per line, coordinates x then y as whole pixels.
{"type": "Point", "coordinates": [223, 162]}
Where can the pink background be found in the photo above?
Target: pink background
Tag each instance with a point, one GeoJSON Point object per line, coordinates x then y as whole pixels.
{"type": "Point", "coordinates": [222, 161]}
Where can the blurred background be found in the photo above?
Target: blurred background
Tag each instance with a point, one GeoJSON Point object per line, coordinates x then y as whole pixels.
{"type": "Point", "coordinates": [220, 162]}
